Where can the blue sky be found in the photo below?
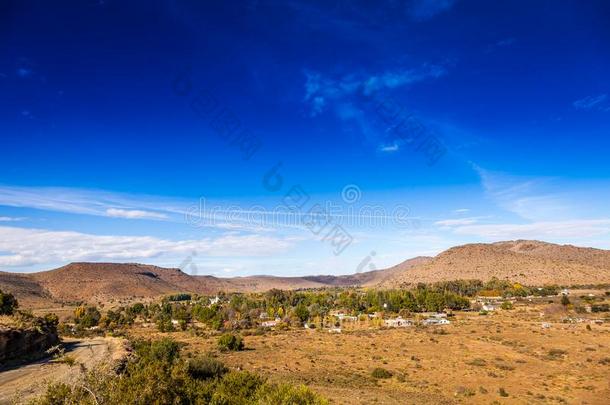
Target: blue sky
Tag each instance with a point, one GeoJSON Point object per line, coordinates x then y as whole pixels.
{"type": "Point", "coordinates": [421, 124]}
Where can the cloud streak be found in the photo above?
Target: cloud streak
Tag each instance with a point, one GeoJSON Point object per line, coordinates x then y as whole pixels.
{"type": "Point", "coordinates": [539, 230]}
{"type": "Point", "coordinates": [598, 103]}
{"type": "Point", "coordinates": [27, 247]}
{"type": "Point", "coordinates": [91, 202]}
{"type": "Point", "coordinates": [530, 198]}
{"type": "Point", "coordinates": [134, 214]}
{"type": "Point", "coordinates": [456, 222]}
{"type": "Point", "coordinates": [323, 92]}
{"type": "Point", "coordinates": [11, 219]}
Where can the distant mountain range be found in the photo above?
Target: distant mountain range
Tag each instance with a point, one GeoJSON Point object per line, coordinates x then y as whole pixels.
{"type": "Point", "coordinates": [526, 262]}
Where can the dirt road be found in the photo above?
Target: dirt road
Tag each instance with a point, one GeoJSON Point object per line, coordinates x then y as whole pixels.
{"type": "Point", "coordinates": [19, 384]}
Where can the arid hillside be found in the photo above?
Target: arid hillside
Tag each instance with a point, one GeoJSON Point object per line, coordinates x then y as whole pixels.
{"type": "Point", "coordinates": [102, 281]}
{"type": "Point", "coordinates": [527, 262]}
{"type": "Point", "coordinates": [25, 288]}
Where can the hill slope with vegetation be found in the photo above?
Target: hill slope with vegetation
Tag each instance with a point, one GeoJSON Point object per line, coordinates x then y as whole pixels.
{"type": "Point", "coordinates": [525, 262]}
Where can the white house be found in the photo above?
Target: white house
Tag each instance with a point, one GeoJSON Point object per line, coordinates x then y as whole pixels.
{"type": "Point", "coordinates": [435, 321]}
{"type": "Point", "coordinates": [214, 300]}
{"type": "Point", "coordinates": [343, 317]}
{"type": "Point", "coordinates": [489, 307]}
{"type": "Point", "coordinates": [398, 322]}
{"type": "Point", "coordinates": [271, 324]}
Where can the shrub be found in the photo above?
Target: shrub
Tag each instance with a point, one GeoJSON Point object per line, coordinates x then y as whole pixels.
{"type": "Point", "coordinates": [206, 367]}
{"type": "Point", "coordinates": [164, 323]}
{"type": "Point", "coordinates": [477, 362]}
{"type": "Point", "coordinates": [556, 354]}
{"type": "Point", "coordinates": [65, 359]}
{"type": "Point", "coordinates": [237, 388]}
{"type": "Point", "coordinates": [8, 303]}
{"type": "Point", "coordinates": [502, 392]}
{"type": "Point", "coordinates": [165, 350]}
{"type": "Point", "coordinates": [280, 394]}
{"type": "Point", "coordinates": [507, 305]}
{"type": "Point", "coordinates": [230, 342]}
{"type": "Point", "coordinates": [565, 301]}
{"type": "Point", "coordinates": [381, 373]}
{"type": "Point", "coordinates": [87, 316]}
{"type": "Point", "coordinates": [600, 308]}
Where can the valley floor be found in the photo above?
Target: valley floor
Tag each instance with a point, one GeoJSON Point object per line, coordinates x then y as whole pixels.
{"type": "Point", "coordinates": [505, 357]}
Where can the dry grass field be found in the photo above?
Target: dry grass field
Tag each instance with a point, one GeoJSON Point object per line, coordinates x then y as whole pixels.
{"type": "Point", "coordinates": [505, 357]}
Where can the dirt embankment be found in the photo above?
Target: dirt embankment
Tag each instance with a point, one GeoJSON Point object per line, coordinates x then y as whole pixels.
{"type": "Point", "coordinates": [19, 384]}
{"type": "Point", "coordinates": [25, 343]}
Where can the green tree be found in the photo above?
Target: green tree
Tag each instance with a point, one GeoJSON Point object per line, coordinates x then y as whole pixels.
{"type": "Point", "coordinates": [301, 312]}
{"type": "Point", "coordinates": [87, 316]}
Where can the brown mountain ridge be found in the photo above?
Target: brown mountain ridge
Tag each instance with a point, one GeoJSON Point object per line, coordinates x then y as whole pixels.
{"type": "Point", "coordinates": [526, 262]}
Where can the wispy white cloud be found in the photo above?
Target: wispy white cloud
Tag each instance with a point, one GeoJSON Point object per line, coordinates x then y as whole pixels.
{"type": "Point", "coordinates": [27, 247]}
{"type": "Point", "coordinates": [593, 103]}
{"type": "Point", "coordinates": [545, 208]}
{"type": "Point", "coordinates": [462, 211]}
{"type": "Point", "coordinates": [91, 202]}
{"type": "Point", "coordinates": [11, 219]}
{"type": "Point", "coordinates": [354, 100]}
{"type": "Point", "coordinates": [539, 230]}
{"type": "Point", "coordinates": [532, 198]}
{"type": "Point", "coordinates": [323, 92]}
{"type": "Point", "coordinates": [457, 222]}
{"type": "Point", "coordinates": [134, 214]}
{"type": "Point", "coordinates": [390, 148]}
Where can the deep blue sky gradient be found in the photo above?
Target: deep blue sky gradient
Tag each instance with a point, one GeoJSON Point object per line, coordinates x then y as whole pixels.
{"type": "Point", "coordinates": [86, 101]}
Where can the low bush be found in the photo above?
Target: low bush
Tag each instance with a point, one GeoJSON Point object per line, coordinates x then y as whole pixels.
{"type": "Point", "coordinates": [600, 308]}
{"type": "Point", "coordinates": [477, 362]}
{"type": "Point", "coordinates": [206, 367]}
{"type": "Point", "coordinates": [556, 354]}
{"type": "Point", "coordinates": [230, 342]}
{"type": "Point", "coordinates": [381, 373]}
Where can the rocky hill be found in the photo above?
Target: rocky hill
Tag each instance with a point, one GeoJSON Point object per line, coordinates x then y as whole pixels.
{"type": "Point", "coordinates": [527, 262]}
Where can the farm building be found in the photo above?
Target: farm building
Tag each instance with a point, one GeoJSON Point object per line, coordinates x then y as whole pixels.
{"type": "Point", "coordinates": [435, 321]}
{"type": "Point", "coordinates": [271, 324]}
{"type": "Point", "coordinates": [398, 322]}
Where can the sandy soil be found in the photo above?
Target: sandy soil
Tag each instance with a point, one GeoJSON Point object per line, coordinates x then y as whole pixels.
{"type": "Point", "coordinates": [469, 361]}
